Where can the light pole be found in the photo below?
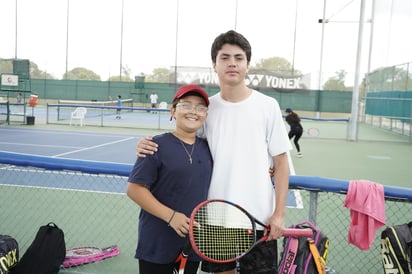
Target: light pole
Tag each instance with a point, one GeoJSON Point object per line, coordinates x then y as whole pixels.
{"type": "Point", "coordinates": [15, 37]}
{"type": "Point", "coordinates": [353, 122]}
{"type": "Point", "coordinates": [294, 38]}
{"type": "Point", "coordinates": [121, 43]}
{"type": "Point", "coordinates": [176, 38]}
{"type": "Point", "coordinates": [67, 36]}
{"type": "Point", "coordinates": [236, 14]}
{"type": "Point", "coordinates": [323, 21]}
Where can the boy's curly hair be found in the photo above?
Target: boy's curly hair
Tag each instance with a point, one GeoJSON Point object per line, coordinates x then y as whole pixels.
{"type": "Point", "coordinates": [234, 38]}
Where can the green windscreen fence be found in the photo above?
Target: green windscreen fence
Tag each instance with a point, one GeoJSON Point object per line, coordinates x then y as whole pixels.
{"type": "Point", "coordinates": [382, 103]}
{"type": "Point", "coordinates": [299, 99]}
{"type": "Point", "coordinates": [392, 104]}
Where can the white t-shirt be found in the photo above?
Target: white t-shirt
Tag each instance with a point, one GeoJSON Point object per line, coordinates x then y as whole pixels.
{"type": "Point", "coordinates": [153, 98]}
{"type": "Point", "coordinates": [242, 138]}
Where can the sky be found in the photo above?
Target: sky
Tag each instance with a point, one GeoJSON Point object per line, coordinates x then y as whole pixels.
{"type": "Point", "coordinates": [164, 33]}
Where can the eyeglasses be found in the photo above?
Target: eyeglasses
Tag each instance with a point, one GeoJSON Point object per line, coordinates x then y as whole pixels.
{"type": "Point", "coordinates": [200, 109]}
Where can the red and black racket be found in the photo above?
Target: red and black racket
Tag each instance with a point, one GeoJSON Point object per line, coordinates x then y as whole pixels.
{"type": "Point", "coordinates": [221, 231]}
{"type": "Point", "coordinates": [182, 259]}
{"type": "Point", "coordinates": [85, 255]}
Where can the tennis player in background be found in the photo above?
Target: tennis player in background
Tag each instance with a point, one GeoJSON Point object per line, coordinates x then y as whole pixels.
{"type": "Point", "coordinates": [119, 107]}
{"type": "Point", "coordinates": [296, 129]}
{"type": "Point", "coordinates": [246, 136]}
{"type": "Point", "coordinates": [169, 184]}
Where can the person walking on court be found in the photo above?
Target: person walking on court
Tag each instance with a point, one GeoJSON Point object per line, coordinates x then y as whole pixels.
{"type": "Point", "coordinates": [19, 97]}
{"type": "Point", "coordinates": [153, 100]}
{"type": "Point", "coordinates": [169, 184]}
{"type": "Point", "coordinates": [246, 136]}
{"type": "Point", "coordinates": [119, 107]}
{"type": "Point", "coordinates": [296, 129]}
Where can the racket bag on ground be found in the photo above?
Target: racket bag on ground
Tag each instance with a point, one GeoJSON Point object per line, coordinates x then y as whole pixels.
{"type": "Point", "coordinates": [84, 255]}
{"type": "Point", "coordinates": [302, 255]}
{"type": "Point", "coordinates": [9, 253]}
{"type": "Point", "coordinates": [46, 253]}
{"type": "Point", "coordinates": [396, 249]}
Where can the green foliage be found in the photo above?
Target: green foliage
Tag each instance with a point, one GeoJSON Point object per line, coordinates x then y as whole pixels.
{"type": "Point", "coordinates": [124, 78]}
{"type": "Point", "coordinates": [337, 82]}
{"type": "Point", "coordinates": [36, 73]}
{"type": "Point", "coordinates": [81, 74]}
{"type": "Point", "coordinates": [160, 75]}
{"type": "Point", "coordinates": [279, 65]}
{"type": "Point", "coordinates": [126, 71]}
{"type": "Point", "coordinates": [6, 66]}
{"type": "Point", "coordinates": [393, 78]}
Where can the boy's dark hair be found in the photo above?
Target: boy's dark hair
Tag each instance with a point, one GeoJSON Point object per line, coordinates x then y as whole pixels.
{"type": "Point", "coordinates": [234, 38]}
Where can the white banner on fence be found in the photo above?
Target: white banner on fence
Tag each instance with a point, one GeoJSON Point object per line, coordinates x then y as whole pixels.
{"type": "Point", "coordinates": [9, 80]}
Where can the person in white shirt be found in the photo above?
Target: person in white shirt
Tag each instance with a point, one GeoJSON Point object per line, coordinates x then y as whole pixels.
{"type": "Point", "coordinates": [246, 136]}
{"type": "Point", "coordinates": [153, 99]}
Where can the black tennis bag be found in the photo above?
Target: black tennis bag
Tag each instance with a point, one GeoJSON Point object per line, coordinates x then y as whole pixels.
{"type": "Point", "coordinates": [46, 253]}
{"type": "Point", "coordinates": [9, 253]}
{"type": "Point", "coordinates": [396, 249]}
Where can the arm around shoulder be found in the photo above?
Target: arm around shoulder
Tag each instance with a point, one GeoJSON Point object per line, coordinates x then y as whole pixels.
{"type": "Point", "coordinates": [281, 177]}
{"type": "Point", "coordinates": [146, 146]}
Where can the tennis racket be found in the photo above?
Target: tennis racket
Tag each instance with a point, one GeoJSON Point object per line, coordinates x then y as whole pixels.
{"type": "Point", "coordinates": [182, 259]}
{"type": "Point", "coordinates": [221, 231]}
{"type": "Point", "coordinates": [84, 255]}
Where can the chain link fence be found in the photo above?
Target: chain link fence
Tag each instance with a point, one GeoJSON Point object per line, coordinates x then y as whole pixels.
{"type": "Point", "coordinates": [388, 100]}
{"type": "Point", "coordinates": [394, 78]}
{"type": "Point", "coordinates": [87, 200]}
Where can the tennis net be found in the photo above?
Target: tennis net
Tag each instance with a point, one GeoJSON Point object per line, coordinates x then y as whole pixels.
{"type": "Point", "coordinates": [107, 115]}
{"type": "Point", "coordinates": [125, 102]}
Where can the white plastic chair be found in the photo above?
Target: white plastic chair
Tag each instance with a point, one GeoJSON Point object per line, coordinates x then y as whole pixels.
{"type": "Point", "coordinates": [163, 105]}
{"type": "Point", "coordinates": [78, 114]}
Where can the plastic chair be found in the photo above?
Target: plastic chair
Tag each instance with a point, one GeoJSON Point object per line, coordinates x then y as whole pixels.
{"type": "Point", "coordinates": [78, 114]}
{"type": "Point", "coordinates": [163, 105]}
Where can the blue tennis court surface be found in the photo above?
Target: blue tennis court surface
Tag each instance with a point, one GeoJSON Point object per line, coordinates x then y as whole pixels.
{"type": "Point", "coordinates": [89, 146]}
{"type": "Point", "coordinates": [104, 147]}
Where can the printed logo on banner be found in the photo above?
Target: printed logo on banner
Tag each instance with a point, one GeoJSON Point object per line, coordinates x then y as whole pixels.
{"type": "Point", "coordinates": [9, 80]}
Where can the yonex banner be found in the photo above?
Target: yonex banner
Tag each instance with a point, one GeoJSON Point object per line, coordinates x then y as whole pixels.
{"type": "Point", "coordinates": [206, 76]}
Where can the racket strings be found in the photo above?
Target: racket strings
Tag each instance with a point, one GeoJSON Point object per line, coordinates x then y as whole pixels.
{"type": "Point", "coordinates": [223, 232]}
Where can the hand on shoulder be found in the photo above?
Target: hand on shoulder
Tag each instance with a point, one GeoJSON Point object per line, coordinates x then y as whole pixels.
{"type": "Point", "coordinates": [146, 146]}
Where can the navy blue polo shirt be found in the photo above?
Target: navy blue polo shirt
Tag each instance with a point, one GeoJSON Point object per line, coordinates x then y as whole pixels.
{"type": "Point", "coordinates": [175, 182]}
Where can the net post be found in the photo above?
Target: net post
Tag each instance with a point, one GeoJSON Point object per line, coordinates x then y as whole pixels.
{"type": "Point", "coordinates": [8, 112]}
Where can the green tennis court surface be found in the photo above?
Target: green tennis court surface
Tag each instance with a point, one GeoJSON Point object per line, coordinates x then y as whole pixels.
{"type": "Point", "coordinates": [384, 159]}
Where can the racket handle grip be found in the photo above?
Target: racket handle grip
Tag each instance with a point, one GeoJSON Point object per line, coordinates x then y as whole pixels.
{"type": "Point", "coordinates": [297, 232]}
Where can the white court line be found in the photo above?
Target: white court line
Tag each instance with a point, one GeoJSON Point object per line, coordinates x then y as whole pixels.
{"type": "Point", "coordinates": [379, 157]}
{"type": "Point", "coordinates": [291, 166]}
{"type": "Point", "coordinates": [295, 192]}
{"type": "Point", "coordinates": [93, 147]}
{"type": "Point", "coordinates": [37, 145]}
{"type": "Point", "coordinates": [65, 189]}
{"type": "Point", "coordinates": [60, 132]}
